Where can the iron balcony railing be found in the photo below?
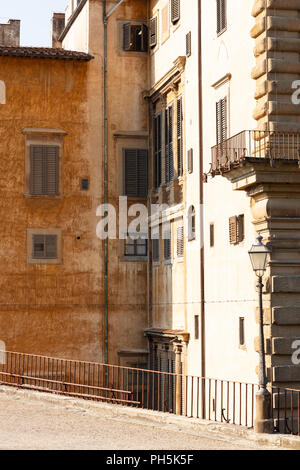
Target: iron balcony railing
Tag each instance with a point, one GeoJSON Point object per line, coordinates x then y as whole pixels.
{"type": "Point", "coordinates": [286, 410]}
{"type": "Point", "coordinates": [192, 396]}
{"type": "Point", "coordinates": [254, 146]}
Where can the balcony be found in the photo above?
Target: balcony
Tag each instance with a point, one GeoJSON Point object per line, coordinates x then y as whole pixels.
{"type": "Point", "coordinates": [254, 146]}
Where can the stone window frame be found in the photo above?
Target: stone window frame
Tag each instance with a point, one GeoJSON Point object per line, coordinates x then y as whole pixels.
{"type": "Point", "coordinates": [44, 137]}
{"type": "Point", "coordinates": [44, 231]}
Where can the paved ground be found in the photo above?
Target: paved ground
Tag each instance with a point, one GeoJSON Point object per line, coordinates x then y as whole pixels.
{"type": "Point", "coordinates": [31, 424]}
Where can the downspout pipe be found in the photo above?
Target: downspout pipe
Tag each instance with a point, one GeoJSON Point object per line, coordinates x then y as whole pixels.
{"type": "Point", "coordinates": [201, 221]}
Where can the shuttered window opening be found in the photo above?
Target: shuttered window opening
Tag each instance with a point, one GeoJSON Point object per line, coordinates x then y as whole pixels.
{"type": "Point", "coordinates": [155, 249]}
{"type": "Point", "coordinates": [221, 16]}
{"type": "Point", "coordinates": [189, 44]}
{"type": "Point", "coordinates": [44, 246]}
{"type": "Point", "coordinates": [136, 247]}
{"type": "Point", "coordinates": [135, 37]}
{"type": "Point", "coordinates": [44, 170]}
{"type": "Point", "coordinates": [167, 246]}
{"type": "Point", "coordinates": [179, 137]}
{"type": "Point", "coordinates": [135, 172]}
{"type": "Point", "coordinates": [175, 10]}
{"type": "Point", "coordinates": [153, 31]}
{"type": "Point", "coordinates": [169, 157]}
{"type": "Point", "coordinates": [180, 242]}
{"type": "Point", "coordinates": [157, 150]}
{"type": "Point", "coordinates": [236, 229]}
{"type": "Point", "coordinates": [212, 235]}
{"type": "Point", "coordinates": [192, 223]}
{"type": "Point", "coordinates": [221, 120]}
{"type": "Point", "coordinates": [190, 161]}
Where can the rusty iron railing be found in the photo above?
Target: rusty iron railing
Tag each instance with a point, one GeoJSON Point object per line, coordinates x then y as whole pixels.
{"type": "Point", "coordinates": [254, 146]}
{"type": "Point", "coordinates": [191, 396]}
{"type": "Point", "coordinates": [286, 410]}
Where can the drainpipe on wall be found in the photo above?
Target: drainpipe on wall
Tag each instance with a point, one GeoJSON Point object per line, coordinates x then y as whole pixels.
{"type": "Point", "coordinates": [106, 15]}
{"type": "Point", "coordinates": [202, 292]}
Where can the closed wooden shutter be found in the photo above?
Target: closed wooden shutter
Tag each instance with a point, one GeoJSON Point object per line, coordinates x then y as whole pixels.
{"type": "Point", "coordinates": [179, 137]}
{"type": "Point", "coordinates": [44, 170]}
{"type": "Point", "coordinates": [145, 40]}
{"type": "Point", "coordinates": [240, 228]}
{"type": "Point", "coordinates": [180, 242]}
{"type": "Point", "coordinates": [221, 120]}
{"type": "Point", "coordinates": [221, 16]}
{"type": "Point", "coordinates": [167, 246]}
{"type": "Point", "coordinates": [155, 249]}
{"type": "Point", "coordinates": [169, 158]}
{"type": "Point", "coordinates": [175, 10]}
{"type": "Point", "coordinates": [136, 172]}
{"type": "Point", "coordinates": [126, 37]}
{"type": "Point", "coordinates": [233, 238]}
{"type": "Point", "coordinates": [189, 44]}
{"type": "Point", "coordinates": [157, 150]}
{"type": "Point", "coordinates": [44, 246]}
{"type": "Point", "coordinates": [153, 32]}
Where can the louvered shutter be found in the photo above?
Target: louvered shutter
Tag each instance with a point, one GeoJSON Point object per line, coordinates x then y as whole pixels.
{"type": "Point", "coordinates": [221, 120]}
{"type": "Point", "coordinates": [189, 44]}
{"type": "Point", "coordinates": [240, 228]}
{"type": "Point", "coordinates": [51, 170]}
{"type": "Point", "coordinates": [169, 158]}
{"type": "Point", "coordinates": [142, 166]}
{"type": "Point", "coordinates": [36, 170]}
{"type": "Point", "coordinates": [153, 32]}
{"type": "Point", "coordinates": [126, 37]}
{"type": "Point", "coordinates": [157, 150]}
{"type": "Point", "coordinates": [144, 38]}
{"type": "Point", "coordinates": [51, 246]}
{"type": "Point", "coordinates": [233, 236]}
{"type": "Point", "coordinates": [221, 16]}
{"type": "Point", "coordinates": [175, 10]}
{"type": "Point", "coordinates": [38, 246]}
{"type": "Point", "coordinates": [136, 172]}
{"type": "Point", "coordinates": [167, 245]}
{"type": "Point", "coordinates": [180, 242]}
{"type": "Point", "coordinates": [179, 138]}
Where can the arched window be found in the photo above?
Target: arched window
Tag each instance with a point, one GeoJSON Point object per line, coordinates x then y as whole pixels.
{"type": "Point", "coordinates": [192, 223]}
{"type": "Point", "coordinates": [2, 93]}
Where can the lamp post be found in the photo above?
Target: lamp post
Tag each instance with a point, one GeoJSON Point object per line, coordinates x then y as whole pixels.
{"type": "Point", "coordinates": [259, 255]}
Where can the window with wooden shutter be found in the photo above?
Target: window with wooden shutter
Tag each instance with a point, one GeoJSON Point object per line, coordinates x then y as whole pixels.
{"type": "Point", "coordinates": [155, 249]}
{"type": "Point", "coordinates": [135, 247]}
{"type": "Point", "coordinates": [44, 246]}
{"type": "Point", "coordinates": [221, 120]}
{"type": "Point", "coordinates": [157, 150]}
{"type": "Point", "coordinates": [175, 10]}
{"type": "Point", "coordinates": [135, 172]}
{"type": "Point", "coordinates": [190, 161]}
{"type": "Point", "coordinates": [135, 37]}
{"type": "Point", "coordinates": [169, 157]}
{"type": "Point", "coordinates": [167, 246]}
{"type": "Point", "coordinates": [221, 16]}
{"type": "Point", "coordinates": [44, 170]}
{"type": "Point", "coordinates": [191, 223]}
{"type": "Point", "coordinates": [153, 31]}
{"type": "Point", "coordinates": [188, 41]}
{"type": "Point", "coordinates": [236, 229]}
{"type": "Point", "coordinates": [180, 242]}
{"type": "Point", "coordinates": [179, 137]}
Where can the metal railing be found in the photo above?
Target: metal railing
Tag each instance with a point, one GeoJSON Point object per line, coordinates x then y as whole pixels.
{"type": "Point", "coordinates": [191, 396]}
{"type": "Point", "coordinates": [286, 410]}
{"type": "Point", "coordinates": [256, 145]}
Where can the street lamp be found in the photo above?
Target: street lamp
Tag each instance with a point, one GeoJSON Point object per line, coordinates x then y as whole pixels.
{"type": "Point", "coordinates": [259, 254]}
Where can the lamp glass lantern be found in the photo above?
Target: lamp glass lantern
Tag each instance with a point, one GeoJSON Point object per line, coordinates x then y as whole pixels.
{"type": "Point", "coordinates": [259, 255]}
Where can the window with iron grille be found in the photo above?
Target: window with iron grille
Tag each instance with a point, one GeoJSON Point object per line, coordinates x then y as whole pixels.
{"type": "Point", "coordinates": [179, 137]}
{"type": "Point", "coordinates": [175, 11]}
{"type": "Point", "coordinates": [135, 172]}
{"type": "Point", "coordinates": [135, 37]}
{"type": "Point", "coordinates": [156, 249]}
{"type": "Point", "coordinates": [169, 158]}
{"type": "Point", "coordinates": [180, 242]}
{"type": "Point", "coordinates": [136, 247]}
{"type": "Point", "coordinates": [188, 40]}
{"type": "Point", "coordinates": [221, 16]}
{"type": "Point", "coordinates": [157, 150]}
{"type": "Point", "coordinates": [236, 229]}
{"type": "Point", "coordinates": [221, 120]}
{"type": "Point", "coordinates": [167, 246]}
{"type": "Point", "coordinates": [44, 246]}
{"type": "Point", "coordinates": [44, 170]}
{"type": "Point", "coordinates": [153, 32]}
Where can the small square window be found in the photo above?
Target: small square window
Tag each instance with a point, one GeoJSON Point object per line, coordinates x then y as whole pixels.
{"type": "Point", "coordinates": [44, 246]}
{"type": "Point", "coordinates": [138, 247]}
{"type": "Point", "coordinates": [84, 184]}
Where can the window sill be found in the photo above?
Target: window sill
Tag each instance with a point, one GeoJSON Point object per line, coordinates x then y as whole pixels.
{"type": "Point", "coordinates": [141, 259]}
{"type": "Point", "coordinates": [45, 197]}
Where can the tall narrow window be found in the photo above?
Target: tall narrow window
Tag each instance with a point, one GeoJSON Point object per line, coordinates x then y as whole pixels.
{"type": "Point", "coordinates": [188, 40]}
{"type": "Point", "coordinates": [192, 223]}
{"type": "Point", "coordinates": [44, 170]}
{"type": "Point", "coordinates": [155, 249]}
{"type": "Point", "coordinates": [221, 16]}
{"type": "Point", "coordinates": [196, 326]}
{"type": "Point", "coordinates": [157, 150]}
{"type": "Point", "coordinates": [135, 172]}
{"type": "Point", "coordinates": [167, 246]}
{"type": "Point", "coordinates": [135, 37]}
{"type": "Point", "coordinates": [153, 31]}
{"type": "Point", "coordinates": [212, 235]}
{"type": "Point", "coordinates": [175, 10]}
{"type": "Point", "coordinates": [221, 120]}
{"type": "Point", "coordinates": [180, 242]}
{"type": "Point", "coordinates": [242, 331]}
{"type": "Point", "coordinates": [169, 158]}
{"type": "Point", "coordinates": [179, 137]}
